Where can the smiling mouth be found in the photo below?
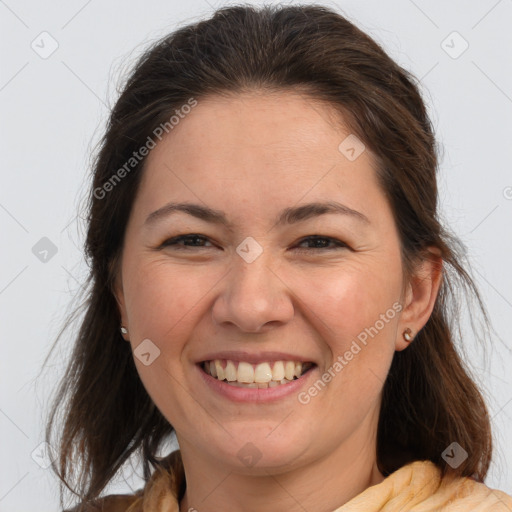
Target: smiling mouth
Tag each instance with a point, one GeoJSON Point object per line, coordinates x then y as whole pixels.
{"type": "Point", "coordinates": [263, 375]}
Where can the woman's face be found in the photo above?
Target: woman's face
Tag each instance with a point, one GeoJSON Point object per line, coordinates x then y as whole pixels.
{"type": "Point", "coordinates": [252, 288]}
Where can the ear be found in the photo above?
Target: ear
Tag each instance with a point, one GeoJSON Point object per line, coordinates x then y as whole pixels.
{"type": "Point", "coordinates": [420, 295]}
{"type": "Point", "coordinates": [117, 290]}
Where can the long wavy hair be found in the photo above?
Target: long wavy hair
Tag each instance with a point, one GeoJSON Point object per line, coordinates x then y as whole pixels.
{"type": "Point", "coordinates": [102, 414]}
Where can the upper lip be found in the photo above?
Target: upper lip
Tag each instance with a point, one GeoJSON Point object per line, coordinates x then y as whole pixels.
{"type": "Point", "coordinates": [254, 357]}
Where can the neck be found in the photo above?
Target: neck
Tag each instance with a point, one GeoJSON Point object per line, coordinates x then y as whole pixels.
{"type": "Point", "coordinates": [323, 484]}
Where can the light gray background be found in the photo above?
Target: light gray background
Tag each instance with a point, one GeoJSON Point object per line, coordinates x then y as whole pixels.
{"type": "Point", "coordinates": [53, 111]}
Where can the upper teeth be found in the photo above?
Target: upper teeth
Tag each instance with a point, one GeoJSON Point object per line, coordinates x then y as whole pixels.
{"type": "Point", "coordinates": [242, 371]}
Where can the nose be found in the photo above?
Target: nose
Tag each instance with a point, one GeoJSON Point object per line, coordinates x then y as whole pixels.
{"type": "Point", "coordinates": [254, 297]}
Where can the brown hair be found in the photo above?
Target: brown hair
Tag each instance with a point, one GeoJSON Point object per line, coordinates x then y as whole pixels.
{"type": "Point", "coordinates": [429, 399]}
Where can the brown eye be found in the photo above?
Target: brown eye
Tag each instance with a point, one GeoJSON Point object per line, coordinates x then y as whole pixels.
{"type": "Point", "coordinates": [322, 243]}
{"type": "Point", "coordinates": [189, 240]}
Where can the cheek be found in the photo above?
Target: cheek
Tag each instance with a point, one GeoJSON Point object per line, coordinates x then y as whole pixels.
{"type": "Point", "coordinates": [349, 298]}
{"type": "Point", "coordinates": [162, 297]}
{"type": "Point", "coordinates": [164, 304]}
{"type": "Point", "coordinates": [354, 309]}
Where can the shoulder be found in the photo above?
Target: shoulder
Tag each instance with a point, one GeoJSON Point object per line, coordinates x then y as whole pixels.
{"type": "Point", "coordinates": [169, 476]}
{"type": "Point", "coordinates": [110, 503]}
{"type": "Point", "coordinates": [420, 487]}
{"type": "Point", "coordinates": [467, 492]}
{"type": "Point", "coordinates": [453, 493]}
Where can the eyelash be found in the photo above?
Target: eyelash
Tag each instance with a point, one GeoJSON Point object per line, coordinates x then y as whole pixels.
{"type": "Point", "coordinates": [339, 244]}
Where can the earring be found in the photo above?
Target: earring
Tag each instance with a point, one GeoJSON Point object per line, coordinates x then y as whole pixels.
{"type": "Point", "coordinates": [124, 330]}
{"type": "Point", "coordinates": [407, 334]}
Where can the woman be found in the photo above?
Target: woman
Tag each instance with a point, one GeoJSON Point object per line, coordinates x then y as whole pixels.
{"type": "Point", "coordinates": [263, 235]}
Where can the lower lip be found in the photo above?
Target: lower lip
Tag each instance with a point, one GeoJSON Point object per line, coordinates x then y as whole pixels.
{"type": "Point", "coordinates": [238, 394]}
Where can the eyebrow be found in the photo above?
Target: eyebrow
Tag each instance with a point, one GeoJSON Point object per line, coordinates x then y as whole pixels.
{"type": "Point", "coordinates": [290, 215]}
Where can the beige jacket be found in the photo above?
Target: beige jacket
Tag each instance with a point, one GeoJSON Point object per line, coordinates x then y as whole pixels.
{"type": "Point", "coordinates": [416, 487]}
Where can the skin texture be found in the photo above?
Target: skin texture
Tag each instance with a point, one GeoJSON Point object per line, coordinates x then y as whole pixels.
{"type": "Point", "coordinates": [252, 155]}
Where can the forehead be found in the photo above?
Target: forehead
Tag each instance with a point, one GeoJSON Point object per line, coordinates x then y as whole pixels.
{"type": "Point", "coordinates": [256, 149]}
{"type": "Point", "coordinates": [275, 125]}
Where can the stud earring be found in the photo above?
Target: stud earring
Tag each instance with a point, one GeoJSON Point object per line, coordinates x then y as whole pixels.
{"type": "Point", "coordinates": [407, 334]}
{"type": "Point", "coordinates": [124, 330]}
